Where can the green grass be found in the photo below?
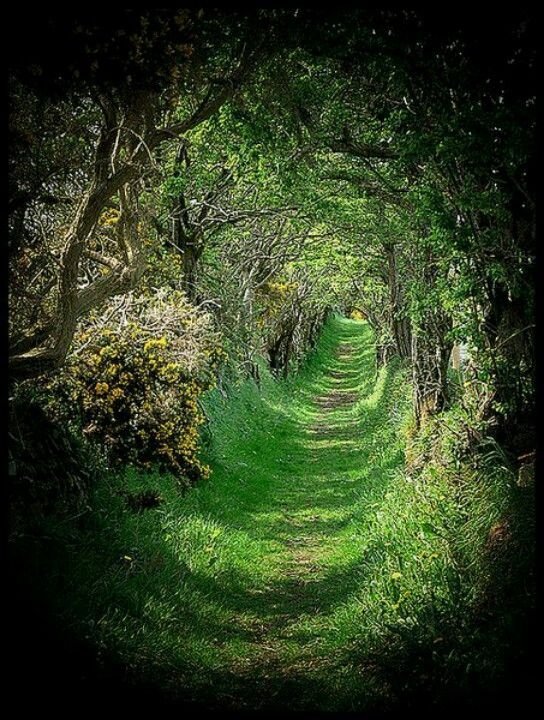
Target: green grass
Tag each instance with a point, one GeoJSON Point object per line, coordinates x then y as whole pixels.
{"type": "Point", "coordinates": [310, 571]}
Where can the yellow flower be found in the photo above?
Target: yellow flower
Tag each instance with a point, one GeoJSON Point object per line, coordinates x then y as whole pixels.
{"type": "Point", "coordinates": [153, 343]}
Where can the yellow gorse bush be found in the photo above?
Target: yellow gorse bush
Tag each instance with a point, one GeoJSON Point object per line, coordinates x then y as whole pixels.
{"type": "Point", "coordinates": [138, 395]}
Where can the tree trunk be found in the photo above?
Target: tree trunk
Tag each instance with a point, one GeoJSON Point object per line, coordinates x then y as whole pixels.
{"type": "Point", "coordinates": [456, 357]}
{"type": "Point", "coordinates": [191, 257]}
{"type": "Point", "coordinates": [399, 322]}
{"type": "Point", "coordinates": [430, 357]}
{"type": "Point", "coordinates": [384, 354]}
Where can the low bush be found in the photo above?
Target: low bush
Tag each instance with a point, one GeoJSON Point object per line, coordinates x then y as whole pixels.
{"type": "Point", "coordinates": [134, 381]}
{"type": "Point", "coordinates": [52, 469]}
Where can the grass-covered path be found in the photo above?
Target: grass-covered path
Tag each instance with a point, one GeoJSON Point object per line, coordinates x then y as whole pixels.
{"type": "Point", "coordinates": [249, 590]}
{"type": "Point", "coordinates": [311, 571]}
{"type": "Point", "coordinates": [314, 570]}
{"type": "Point", "coordinates": [313, 497]}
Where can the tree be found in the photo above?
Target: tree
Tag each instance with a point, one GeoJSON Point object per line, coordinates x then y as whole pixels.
{"type": "Point", "coordinates": [132, 115]}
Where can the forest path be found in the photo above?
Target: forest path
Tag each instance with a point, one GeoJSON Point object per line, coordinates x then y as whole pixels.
{"type": "Point", "coordinates": [250, 591]}
{"type": "Point", "coordinates": [284, 505]}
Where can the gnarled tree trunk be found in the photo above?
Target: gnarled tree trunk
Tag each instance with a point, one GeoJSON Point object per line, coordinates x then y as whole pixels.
{"type": "Point", "coordinates": [398, 320]}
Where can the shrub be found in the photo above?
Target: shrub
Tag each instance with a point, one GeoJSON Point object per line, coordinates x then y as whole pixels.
{"type": "Point", "coordinates": [51, 468]}
{"type": "Point", "coordinates": [134, 381]}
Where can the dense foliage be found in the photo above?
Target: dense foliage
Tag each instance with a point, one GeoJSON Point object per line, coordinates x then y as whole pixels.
{"type": "Point", "coordinates": [132, 383]}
